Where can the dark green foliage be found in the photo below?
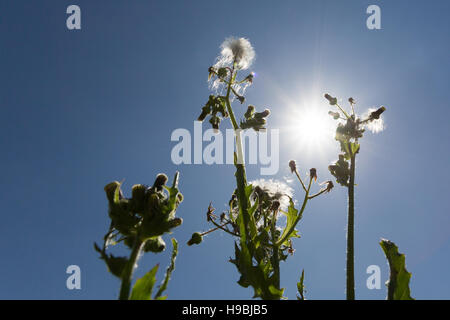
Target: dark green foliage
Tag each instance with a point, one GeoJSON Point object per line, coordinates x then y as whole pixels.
{"type": "Point", "coordinates": [140, 222]}
{"type": "Point", "coordinates": [398, 284]}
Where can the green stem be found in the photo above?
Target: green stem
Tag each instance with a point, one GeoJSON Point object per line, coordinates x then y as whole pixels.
{"type": "Point", "coordinates": [343, 111]}
{"type": "Point", "coordinates": [275, 248]}
{"type": "Point", "coordinates": [299, 216]}
{"type": "Point", "coordinates": [241, 179]}
{"type": "Point", "coordinates": [350, 233]}
{"type": "Point", "coordinates": [129, 268]}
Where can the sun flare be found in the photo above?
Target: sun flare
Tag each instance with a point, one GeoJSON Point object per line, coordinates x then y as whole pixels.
{"type": "Point", "coordinates": [311, 128]}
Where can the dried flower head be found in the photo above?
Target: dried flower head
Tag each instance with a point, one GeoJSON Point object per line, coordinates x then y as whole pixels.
{"type": "Point", "coordinates": [274, 190]}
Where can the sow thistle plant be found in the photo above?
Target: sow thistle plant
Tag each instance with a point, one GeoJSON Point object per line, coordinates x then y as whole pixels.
{"type": "Point", "coordinates": [139, 223]}
{"type": "Point", "coordinates": [349, 131]}
{"type": "Point", "coordinates": [252, 217]}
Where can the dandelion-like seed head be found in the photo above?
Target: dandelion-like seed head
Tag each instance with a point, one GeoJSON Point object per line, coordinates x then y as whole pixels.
{"type": "Point", "coordinates": [236, 49]}
{"type": "Point", "coordinates": [374, 125]}
{"type": "Point", "coordinates": [274, 190]}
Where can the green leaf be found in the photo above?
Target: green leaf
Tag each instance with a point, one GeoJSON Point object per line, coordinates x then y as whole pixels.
{"type": "Point", "coordinates": [143, 287]}
{"type": "Point", "coordinates": [169, 271]}
{"type": "Point", "coordinates": [292, 215]}
{"type": "Point", "coordinates": [398, 284]}
{"type": "Point", "coordinates": [115, 265]}
{"type": "Point", "coordinates": [301, 287]}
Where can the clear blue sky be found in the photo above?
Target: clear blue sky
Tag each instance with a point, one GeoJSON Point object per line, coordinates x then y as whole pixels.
{"type": "Point", "coordinates": [82, 108]}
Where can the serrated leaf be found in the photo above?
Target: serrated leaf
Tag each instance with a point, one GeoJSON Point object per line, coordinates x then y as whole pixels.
{"type": "Point", "coordinates": [398, 284]}
{"type": "Point", "coordinates": [301, 287]}
{"type": "Point", "coordinates": [169, 271]}
{"type": "Point", "coordinates": [115, 265]}
{"type": "Point", "coordinates": [143, 287]}
{"type": "Point", "coordinates": [292, 215]}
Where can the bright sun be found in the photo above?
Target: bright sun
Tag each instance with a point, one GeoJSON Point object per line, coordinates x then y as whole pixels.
{"type": "Point", "coordinates": [311, 128]}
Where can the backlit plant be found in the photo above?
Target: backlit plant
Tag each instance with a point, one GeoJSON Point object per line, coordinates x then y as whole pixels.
{"type": "Point", "coordinates": [349, 131]}
{"type": "Point", "coordinates": [254, 208]}
{"type": "Point", "coordinates": [139, 223]}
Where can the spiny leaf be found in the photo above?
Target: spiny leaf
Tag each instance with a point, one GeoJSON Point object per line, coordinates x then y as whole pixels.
{"type": "Point", "coordinates": [143, 287]}
{"type": "Point", "coordinates": [292, 215]}
{"type": "Point", "coordinates": [301, 287]}
{"type": "Point", "coordinates": [115, 265]}
{"type": "Point", "coordinates": [398, 284]}
{"type": "Point", "coordinates": [169, 271]}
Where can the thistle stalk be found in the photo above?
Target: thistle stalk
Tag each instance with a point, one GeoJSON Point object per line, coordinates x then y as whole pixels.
{"type": "Point", "coordinates": [350, 232]}
{"type": "Point", "coordinates": [127, 275]}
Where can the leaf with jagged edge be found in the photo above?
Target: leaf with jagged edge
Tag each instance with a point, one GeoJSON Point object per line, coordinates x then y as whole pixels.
{"type": "Point", "coordinates": [301, 287]}
{"type": "Point", "coordinates": [169, 271]}
{"type": "Point", "coordinates": [291, 215]}
{"type": "Point", "coordinates": [143, 287]}
{"type": "Point", "coordinates": [398, 284]}
{"type": "Point", "coordinates": [115, 265]}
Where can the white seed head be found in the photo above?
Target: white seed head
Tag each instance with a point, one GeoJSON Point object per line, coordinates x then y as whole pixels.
{"type": "Point", "coordinates": [236, 49]}
{"type": "Point", "coordinates": [275, 189]}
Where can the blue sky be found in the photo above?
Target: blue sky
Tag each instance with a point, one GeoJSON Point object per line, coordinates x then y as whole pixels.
{"type": "Point", "coordinates": [86, 107]}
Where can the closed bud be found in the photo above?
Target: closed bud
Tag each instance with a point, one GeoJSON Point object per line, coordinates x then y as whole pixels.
{"type": "Point", "coordinates": [249, 78]}
{"type": "Point", "coordinates": [331, 100]}
{"type": "Point", "coordinates": [335, 115]}
{"type": "Point", "coordinates": [351, 100]}
{"type": "Point", "coordinates": [110, 190]}
{"type": "Point", "coordinates": [329, 186]}
{"type": "Point", "coordinates": [175, 222]}
{"type": "Point", "coordinates": [313, 173]}
{"type": "Point", "coordinates": [160, 181]}
{"type": "Point", "coordinates": [376, 114]}
{"type": "Point", "coordinates": [222, 72]}
{"type": "Point", "coordinates": [241, 99]}
{"type": "Point", "coordinates": [154, 245]}
{"type": "Point", "coordinates": [293, 166]}
{"type": "Point", "coordinates": [211, 72]}
{"type": "Point", "coordinates": [250, 111]}
{"type": "Point", "coordinates": [196, 238]}
{"type": "Point", "coordinates": [275, 205]}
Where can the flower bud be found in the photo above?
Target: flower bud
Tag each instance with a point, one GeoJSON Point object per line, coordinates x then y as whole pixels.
{"type": "Point", "coordinates": [138, 197]}
{"type": "Point", "coordinates": [250, 77]}
{"type": "Point", "coordinates": [175, 222]}
{"type": "Point", "coordinates": [222, 72]}
{"type": "Point", "coordinates": [332, 100]}
{"type": "Point", "coordinates": [196, 238]}
{"type": "Point", "coordinates": [351, 100]}
{"type": "Point", "coordinates": [264, 114]}
{"type": "Point", "coordinates": [293, 166]}
{"type": "Point", "coordinates": [160, 181]}
{"type": "Point", "coordinates": [211, 72]}
{"type": "Point", "coordinates": [376, 114]}
{"type": "Point", "coordinates": [313, 173]}
{"type": "Point", "coordinates": [330, 185]}
{"type": "Point", "coordinates": [335, 115]}
{"type": "Point", "coordinates": [275, 205]}
{"type": "Point", "coordinates": [110, 189]}
{"type": "Point", "coordinates": [154, 245]}
{"type": "Point", "coordinates": [241, 99]}
{"type": "Point", "coordinates": [250, 111]}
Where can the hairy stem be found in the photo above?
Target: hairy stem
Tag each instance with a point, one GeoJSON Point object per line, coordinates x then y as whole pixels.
{"type": "Point", "coordinates": [127, 275]}
{"type": "Point", "coordinates": [241, 179]}
{"type": "Point", "coordinates": [275, 248]}
{"type": "Point", "coordinates": [350, 233]}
